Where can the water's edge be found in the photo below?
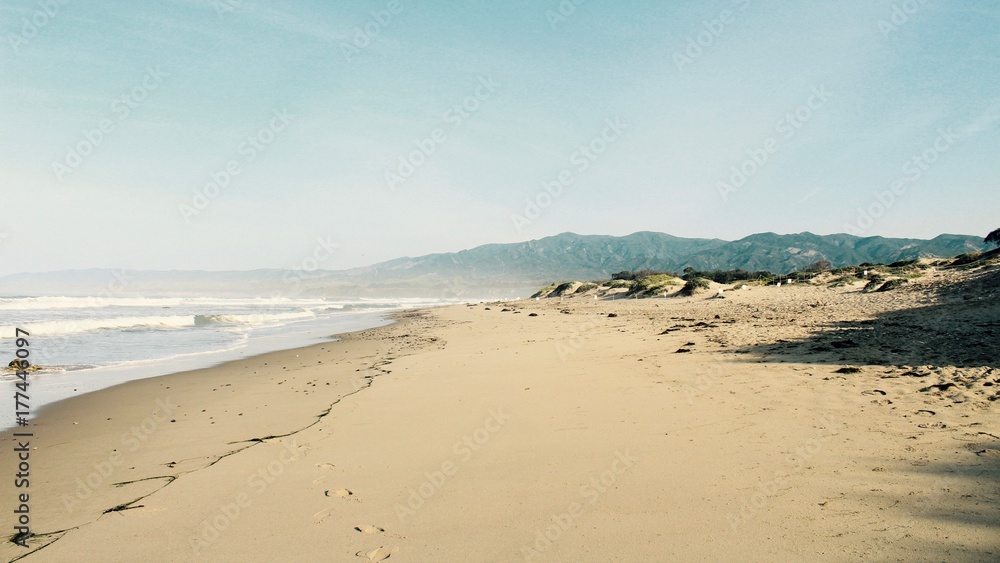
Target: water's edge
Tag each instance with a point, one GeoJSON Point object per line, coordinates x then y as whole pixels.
{"type": "Point", "coordinates": [49, 390]}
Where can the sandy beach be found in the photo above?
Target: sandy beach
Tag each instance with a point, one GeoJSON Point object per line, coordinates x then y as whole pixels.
{"type": "Point", "coordinates": [558, 281]}
{"type": "Point", "coordinates": [778, 424]}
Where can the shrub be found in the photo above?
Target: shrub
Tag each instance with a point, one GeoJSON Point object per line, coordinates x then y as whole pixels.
{"type": "Point", "coordinates": [993, 238]}
{"type": "Point", "coordinates": [636, 275]}
{"type": "Point", "coordinates": [755, 281]}
{"type": "Point", "coordinates": [874, 282]}
{"type": "Point", "coordinates": [906, 268]}
{"type": "Point", "coordinates": [544, 292]}
{"type": "Point", "coordinates": [585, 287]}
{"type": "Point", "coordinates": [727, 276]}
{"type": "Point", "coordinates": [841, 271]}
{"type": "Point", "coordinates": [843, 280]}
{"type": "Point", "coordinates": [966, 258]}
{"type": "Point", "coordinates": [646, 273]}
{"type": "Point", "coordinates": [820, 266]}
{"type": "Point", "coordinates": [654, 283]}
{"type": "Point", "coordinates": [904, 263]}
{"type": "Point", "coordinates": [892, 284]}
{"type": "Point", "coordinates": [658, 282]}
{"type": "Point", "coordinates": [659, 279]}
{"type": "Point", "coordinates": [562, 289]}
{"type": "Point", "coordinates": [693, 285]}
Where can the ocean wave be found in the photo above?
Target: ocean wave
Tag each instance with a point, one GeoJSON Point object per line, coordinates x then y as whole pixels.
{"type": "Point", "coordinates": [97, 302]}
{"type": "Point", "coordinates": [252, 319]}
{"type": "Point", "coordinates": [64, 327]}
{"type": "Point", "coordinates": [356, 306]}
{"type": "Point", "coordinates": [52, 328]}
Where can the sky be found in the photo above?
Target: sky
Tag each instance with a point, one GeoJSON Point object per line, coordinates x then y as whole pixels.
{"type": "Point", "coordinates": [241, 134]}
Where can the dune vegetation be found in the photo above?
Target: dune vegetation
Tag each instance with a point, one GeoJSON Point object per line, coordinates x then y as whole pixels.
{"type": "Point", "coordinates": [648, 283]}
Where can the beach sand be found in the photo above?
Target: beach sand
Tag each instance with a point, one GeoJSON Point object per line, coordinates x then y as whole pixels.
{"type": "Point", "coordinates": [475, 433]}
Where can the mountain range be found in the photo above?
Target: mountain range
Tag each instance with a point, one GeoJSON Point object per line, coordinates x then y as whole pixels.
{"type": "Point", "coordinates": [505, 270]}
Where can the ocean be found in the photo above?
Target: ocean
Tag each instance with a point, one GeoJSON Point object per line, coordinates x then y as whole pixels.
{"type": "Point", "coordinates": [83, 344]}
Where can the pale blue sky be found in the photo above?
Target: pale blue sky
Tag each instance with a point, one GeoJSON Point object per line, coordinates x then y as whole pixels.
{"type": "Point", "coordinates": [546, 86]}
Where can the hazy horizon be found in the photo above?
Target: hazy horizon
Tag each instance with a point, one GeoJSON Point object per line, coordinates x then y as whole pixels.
{"type": "Point", "coordinates": [224, 135]}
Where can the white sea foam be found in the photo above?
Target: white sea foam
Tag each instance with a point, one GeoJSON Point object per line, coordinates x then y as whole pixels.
{"type": "Point", "coordinates": [75, 326]}
{"type": "Point", "coordinates": [253, 319]}
{"type": "Point", "coordinates": [87, 343]}
{"type": "Point", "coordinates": [53, 328]}
{"type": "Point", "coordinates": [94, 302]}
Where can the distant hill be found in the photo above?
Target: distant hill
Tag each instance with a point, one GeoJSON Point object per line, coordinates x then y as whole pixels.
{"type": "Point", "coordinates": [785, 253]}
{"type": "Point", "coordinates": [509, 270]}
{"type": "Point", "coordinates": [582, 257]}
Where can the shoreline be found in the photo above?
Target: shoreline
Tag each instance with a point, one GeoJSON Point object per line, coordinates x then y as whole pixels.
{"type": "Point", "coordinates": [384, 319]}
{"type": "Point", "coordinates": [150, 404]}
{"type": "Point", "coordinates": [60, 386]}
{"type": "Point", "coordinates": [579, 432]}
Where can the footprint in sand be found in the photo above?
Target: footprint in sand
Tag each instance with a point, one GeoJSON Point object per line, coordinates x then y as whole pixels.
{"type": "Point", "coordinates": [369, 529]}
{"type": "Point", "coordinates": [319, 480]}
{"type": "Point", "coordinates": [377, 554]}
{"type": "Point", "coordinates": [322, 514]}
{"type": "Point", "coordinates": [325, 513]}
